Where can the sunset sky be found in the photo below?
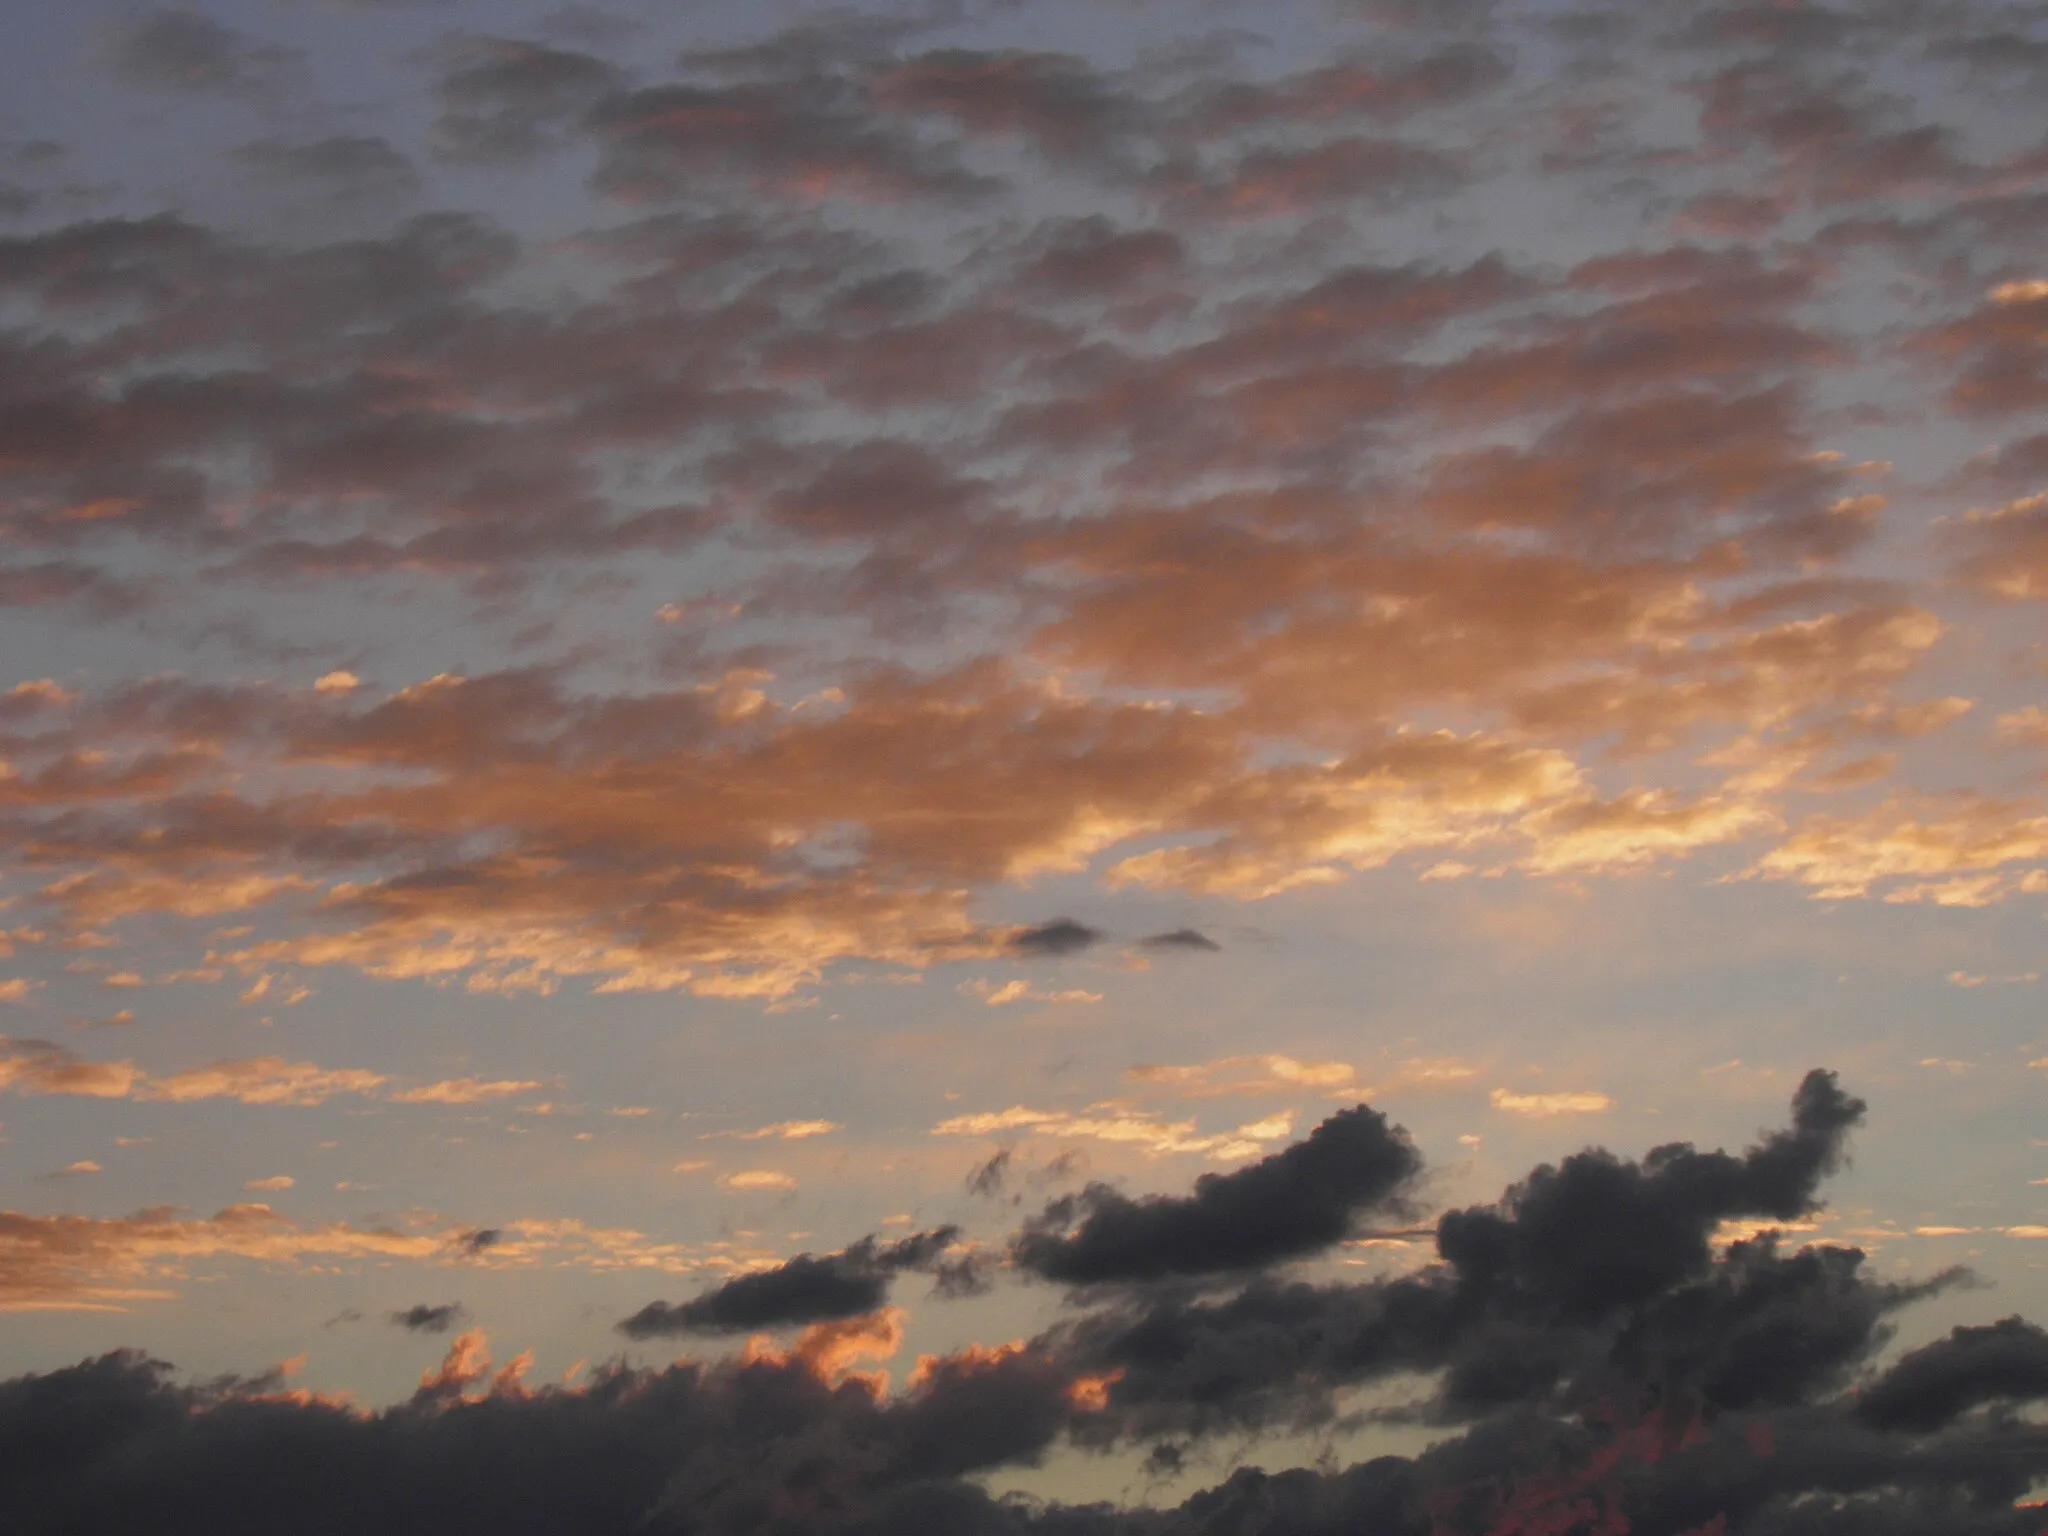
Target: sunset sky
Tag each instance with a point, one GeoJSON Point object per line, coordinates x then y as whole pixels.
{"type": "Point", "coordinates": [683, 679]}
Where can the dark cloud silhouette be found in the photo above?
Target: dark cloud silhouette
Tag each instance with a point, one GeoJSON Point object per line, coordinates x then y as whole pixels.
{"type": "Point", "coordinates": [1730, 1393]}
{"type": "Point", "coordinates": [988, 1179]}
{"type": "Point", "coordinates": [481, 1238]}
{"type": "Point", "coordinates": [1294, 1203]}
{"type": "Point", "coordinates": [806, 1289]}
{"type": "Point", "coordinates": [2005, 1361]}
{"type": "Point", "coordinates": [1596, 1232]}
{"type": "Point", "coordinates": [429, 1319]}
{"type": "Point", "coordinates": [1061, 936]}
{"type": "Point", "coordinates": [1180, 938]}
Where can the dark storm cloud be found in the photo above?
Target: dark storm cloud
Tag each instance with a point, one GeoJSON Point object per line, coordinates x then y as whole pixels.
{"type": "Point", "coordinates": [1061, 936]}
{"type": "Point", "coordinates": [424, 1318]}
{"type": "Point", "coordinates": [1598, 1232]}
{"type": "Point", "coordinates": [1286, 1206]}
{"type": "Point", "coordinates": [1598, 1264]}
{"type": "Point", "coordinates": [2005, 1361]}
{"type": "Point", "coordinates": [182, 50]}
{"type": "Point", "coordinates": [806, 1289]}
{"type": "Point", "coordinates": [1731, 1394]}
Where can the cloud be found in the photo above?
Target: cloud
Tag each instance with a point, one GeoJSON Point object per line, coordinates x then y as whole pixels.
{"type": "Point", "coordinates": [1062, 936]}
{"type": "Point", "coordinates": [1017, 990]}
{"type": "Point", "coordinates": [504, 99]}
{"type": "Point", "coordinates": [429, 1319]}
{"type": "Point", "coordinates": [181, 50]}
{"type": "Point", "coordinates": [783, 1130]}
{"type": "Point", "coordinates": [1586, 1344]}
{"type": "Point", "coordinates": [1285, 1206]}
{"type": "Point", "coordinates": [40, 1066]}
{"type": "Point", "coordinates": [465, 1090]}
{"type": "Point", "coordinates": [273, 1184]}
{"type": "Point", "coordinates": [1118, 1121]}
{"type": "Point", "coordinates": [346, 169]}
{"type": "Point", "coordinates": [1180, 938]}
{"type": "Point", "coordinates": [803, 1290]}
{"type": "Point", "coordinates": [261, 1080]}
{"type": "Point", "coordinates": [751, 1179]}
{"type": "Point", "coordinates": [1544, 1105]}
{"type": "Point", "coordinates": [1249, 1075]}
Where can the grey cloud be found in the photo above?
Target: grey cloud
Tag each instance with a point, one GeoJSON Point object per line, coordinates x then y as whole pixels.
{"type": "Point", "coordinates": [1294, 1203]}
{"type": "Point", "coordinates": [424, 1318]}
{"type": "Point", "coordinates": [1181, 938]}
{"type": "Point", "coordinates": [508, 99]}
{"type": "Point", "coordinates": [1062, 936]}
{"type": "Point", "coordinates": [809, 1288]}
{"type": "Point", "coordinates": [183, 50]}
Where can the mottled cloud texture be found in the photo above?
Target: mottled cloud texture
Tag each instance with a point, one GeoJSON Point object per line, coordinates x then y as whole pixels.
{"type": "Point", "coordinates": [634, 633]}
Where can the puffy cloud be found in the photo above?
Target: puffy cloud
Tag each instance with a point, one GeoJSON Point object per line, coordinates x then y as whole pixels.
{"type": "Point", "coordinates": [1296, 1202]}
{"type": "Point", "coordinates": [1953, 852]}
{"type": "Point", "coordinates": [1590, 1343]}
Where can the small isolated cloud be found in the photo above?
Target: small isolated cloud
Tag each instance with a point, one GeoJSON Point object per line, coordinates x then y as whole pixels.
{"type": "Point", "coordinates": [1023, 992]}
{"type": "Point", "coordinates": [1544, 1105]}
{"type": "Point", "coordinates": [16, 990]}
{"type": "Point", "coordinates": [783, 1130]}
{"type": "Point", "coordinates": [427, 1319]}
{"type": "Point", "coordinates": [275, 1183]}
{"type": "Point", "coordinates": [1180, 938]}
{"type": "Point", "coordinates": [691, 1165]}
{"type": "Point", "coordinates": [464, 1090]}
{"type": "Point", "coordinates": [1061, 936]}
{"type": "Point", "coordinates": [752, 1179]}
{"type": "Point", "coordinates": [77, 1169]}
{"type": "Point", "coordinates": [339, 681]}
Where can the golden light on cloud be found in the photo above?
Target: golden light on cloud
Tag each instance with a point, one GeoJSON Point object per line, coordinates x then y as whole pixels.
{"type": "Point", "coordinates": [1547, 1105]}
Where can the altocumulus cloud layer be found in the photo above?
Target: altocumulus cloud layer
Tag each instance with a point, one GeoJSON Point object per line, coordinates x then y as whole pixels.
{"type": "Point", "coordinates": [616, 616]}
{"type": "Point", "coordinates": [1081, 416]}
{"type": "Point", "coordinates": [1590, 1357]}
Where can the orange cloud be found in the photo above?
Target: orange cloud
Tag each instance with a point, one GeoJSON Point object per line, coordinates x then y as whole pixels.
{"type": "Point", "coordinates": [260, 1080]}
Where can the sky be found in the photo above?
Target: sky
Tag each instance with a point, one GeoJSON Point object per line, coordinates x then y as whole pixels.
{"type": "Point", "coordinates": [1030, 769]}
